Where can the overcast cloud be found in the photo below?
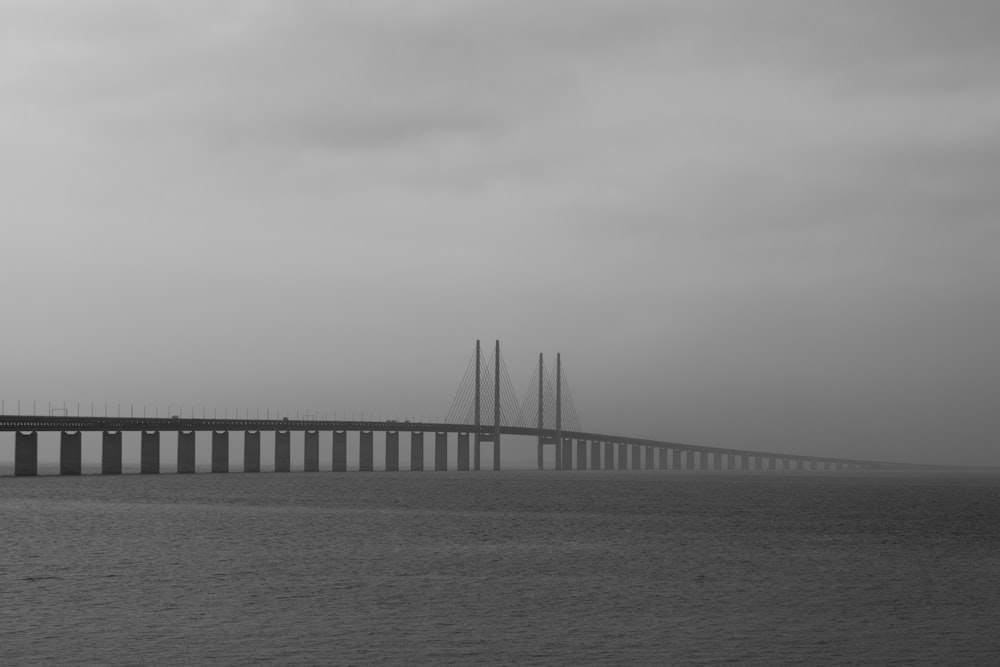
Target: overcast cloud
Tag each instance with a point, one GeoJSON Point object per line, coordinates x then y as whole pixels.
{"type": "Point", "coordinates": [767, 225]}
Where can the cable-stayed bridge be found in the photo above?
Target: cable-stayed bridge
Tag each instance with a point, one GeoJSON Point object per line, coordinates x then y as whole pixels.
{"type": "Point", "coordinates": [485, 409]}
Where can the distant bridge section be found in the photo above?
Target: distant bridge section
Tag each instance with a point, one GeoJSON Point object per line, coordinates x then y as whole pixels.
{"type": "Point", "coordinates": [486, 385]}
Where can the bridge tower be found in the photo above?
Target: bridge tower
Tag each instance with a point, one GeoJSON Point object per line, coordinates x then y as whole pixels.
{"type": "Point", "coordinates": [559, 447]}
{"type": "Point", "coordinates": [478, 414]}
{"type": "Point", "coordinates": [542, 438]}
{"type": "Point", "coordinates": [494, 435]}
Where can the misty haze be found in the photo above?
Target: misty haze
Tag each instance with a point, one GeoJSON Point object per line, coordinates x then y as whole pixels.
{"type": "Point", "coordinates": [592, 332]}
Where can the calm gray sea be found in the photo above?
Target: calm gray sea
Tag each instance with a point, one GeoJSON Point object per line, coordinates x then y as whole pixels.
{"type": "Point", "coordinates": [500, 568]}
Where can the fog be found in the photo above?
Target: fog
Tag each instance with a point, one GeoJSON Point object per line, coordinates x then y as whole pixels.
{"type": "Point", "coordinates": [768, 225]}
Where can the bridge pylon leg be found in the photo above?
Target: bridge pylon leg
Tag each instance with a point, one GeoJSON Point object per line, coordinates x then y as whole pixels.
{"type": "Point", "coordinates": [26, 454]}
{"type": "Point", "coordinates": [366, 452]}
{"type": "Point", "coordinates": [111, 453]}
{"type": "Point", "coordinates": [392, 451]}
{"type": "Point", "coordinates": [310, 451]}
{"type": "Point", "coordinates": [441, 451]}
{"type": "Point", "coordinates": [417, 451]}
{"type": "Point", "coordinates": [149, 453]}
{"type": "Point", "coordinates": [251, 451]}
{"type": "Point", "coordinates": [186, 452]}
{"type": "Point", "coordinates": [70, 453]}
{"type": "Point", "coordinates": [463, 451]}
{"type": "Point", "coordinates": [220, 451]}
{"type": "Point", "coordinates": [282, 451]}
{"type": "Point", "coordinates": [339, 451]}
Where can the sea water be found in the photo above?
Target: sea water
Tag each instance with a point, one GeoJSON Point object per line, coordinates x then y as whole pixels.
{"type": "Point", "coordinates": [463, 568]}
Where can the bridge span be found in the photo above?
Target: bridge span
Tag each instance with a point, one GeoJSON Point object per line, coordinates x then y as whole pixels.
{"type": "Point", "coordinates": [575, 450]}
{"type": "Point", "coordinates": [485, 385]}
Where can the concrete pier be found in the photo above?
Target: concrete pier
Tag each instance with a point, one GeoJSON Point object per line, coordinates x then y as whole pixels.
{"type": "Point", "coordinates": [26, 453]}
{"type": "Point", "coordinates": [799, 464]}
{"type": "Point", "coordinates": [149, 452]}
{"type": "Point", "coordinates": [650, 458]}
{"type": "Point", "coordinates": [595, 455]}
{"type": "Point", "coordinates": [70, 453]}
{"type": "Point", "coordinates": [609, 456]}
{"type": "Point", "coordinates": [703, 461]}
{"type": "Point", "coordinates": [636, 457]}
{"type": "Point", "coordinates": [392, 450]}
{"type": "Point", "coordinates": [111, 453]}
{"type": "Point", "coordinates": [567, 454]}
{"type": "Point", "coordinates": [717, 461]}
{"type": "Point", "coordinates": [417, 450]}
{"type": "Point", "coordinates": [186, 452]}
{"type": "Point", "coordinates": [441, 451]}
{"type": "Point", "coordinates": [340, 451]}
{"type": "Point", "coordinates": [366, 452]}
{"type": "Point", "coordinates": [689, 463]}
{"type": "Point", "coordinates": [282, 451]}
{"type": "Point", "coordinates": [581, 454]}
{"type": "Point", "coordinates": [220, 451]}
{"type": "Point", "coordinates": [622, 456]}
{"type": "Point", "coordinates": [676, 462]}
{"type": "Point", "coordinates": [463, 451]}
{"type": "Point", "coordinates": [310, 454]}
{"type": "Point", "coordinates": [251, 451]}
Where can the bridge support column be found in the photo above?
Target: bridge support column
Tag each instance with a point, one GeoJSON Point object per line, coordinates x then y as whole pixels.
{"type": "Point", "coordinates": [800, 465]}
{"type": "Point", "coordinates": [622, 456]}
{"type": "Point", "coordinates": [149, 452]}
{"type": "Point", "coordinates": [186, 452]}
{"type": "Point", "coordinates": [581, 454]}
{"type": "Point", "coordinates": [463, 451]}
{"type": "Point", "coordinates": [310, 451]}
{"type": "Point", "coordinates": [703, 462]}
{"type": "Point", "coordinates": [282, 451]}
{"type": "Point", "coordinates": [441, 451]}
{"type": "Point", "coordinates": [340, 451]}
{"type": "Point", "coordinates": [595, 455]}
{"type": "Point", "coordinates": [567, 454]}
{"type": "Point", "coordinates": [392, 451]}
{"type": "Point", "coordinates": [636, 454]}
{"type": "Point", "coordinates": [664, 459]}
{"type": "Point", "coordinates": [676, 455]}
{"type": "Point", "coordinates": [366, 452]}
{"type": "Point", "coordinates": [476, 453]}
{"type": "Point", "coordinates": [689, 463]}
{"type": "Point", "coordinates": [111, 453]}
{"type": "Point", "coordinates": [744, 462]}
{"type": "Point", "coordinates": [220, 451]}
{"type": "Point", "coordinates": [650, 456]}
{"type": "Point", "coordinates": [730, 462]}
{"type": "Point", "coordinates": [717, 461]}
{"type": "Point", "coordinates": [417, 450]}
{"type": "Point", "coordinates": [70, 453]}
{"type": "Point", "coordinates": [26, 453]}
{"type": "Point", "coordinates": [770, 463]}
{"type": "Point", "coordinates": [251, 451]}
{"type": "Point", "coordinates": [609, 456]}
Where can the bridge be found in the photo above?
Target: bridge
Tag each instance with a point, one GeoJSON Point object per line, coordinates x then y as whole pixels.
{"type": "Point", "coordinates": [486, 385]}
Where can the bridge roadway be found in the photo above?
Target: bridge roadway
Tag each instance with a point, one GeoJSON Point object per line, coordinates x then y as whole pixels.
{"type": "Point", "coordinates": [685, 456]}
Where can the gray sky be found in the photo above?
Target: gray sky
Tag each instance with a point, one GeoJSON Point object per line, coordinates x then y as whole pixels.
{"type": "Point", "coordinates": [766, 225]}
